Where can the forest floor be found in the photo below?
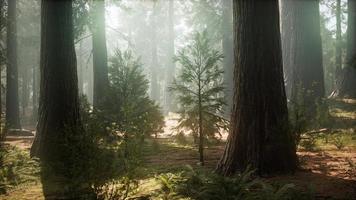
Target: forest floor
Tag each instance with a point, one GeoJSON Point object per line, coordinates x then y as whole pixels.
{"type": "Point", "coordinates": [328, 171]}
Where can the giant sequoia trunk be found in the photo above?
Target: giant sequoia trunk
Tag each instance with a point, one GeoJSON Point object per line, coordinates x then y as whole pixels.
{"type": "Point", "coordinates": [59, 123]}
{"type": "Point", "coordinates": [100, 60]}
{"type": "Point", "coordinates": [338, 45]}
{"type": "Point", "coordinates": [347, 86]}
{"type": "Point", "coordinates": [171, 65]}
{"type": "Point", "coordinates": [227, 45]}
{"type": "Point", "coordinates": [1, 58]}
{"type": "Point", "coordinates": [155, 90]}
{"type": "Point", "coordinates": [286, 18]}
{"type": "Point", "coordinates": [12, 96]}
{"type": "Point", "coordinates": [303, 52]}
{"type": "Point", "coordinates": [35, 86]}
{"type": "Point", "coordinates": [25, 89]}
{"type": "Point", "coordinates": [259, 134]}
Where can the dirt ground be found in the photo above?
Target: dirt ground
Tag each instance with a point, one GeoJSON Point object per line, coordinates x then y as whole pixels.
{"type": "Point", "coordinates": [327, 171]}
{"type": "Point", "coordinates": [330, 172]}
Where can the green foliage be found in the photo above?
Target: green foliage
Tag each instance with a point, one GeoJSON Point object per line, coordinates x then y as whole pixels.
{"type": "Point", "coordinates": [206, 14]}
{"type": "Point", "coordinates": [168, 183]}
{"type": "Point", "coordinates": [3, 22]}
{"type": "Point", "coordinates": [80, 17]}
{"type": "Point", "coordinates": [301, 120]}
{"type": "Point", "coordinates": [339, 141]}
{"type": "Point", "coordinates": [297, 113]}
{"type": "Point", "coordinates": [112, 164]}
{"type": "Point", "coordinates": [180, 138]}
{"type": "Point", "coordinates": [309, 143]}
{"type": "Point", "coordinates": [16, 168]}
{"type": "Point", "coordinates": [119, 189]}
{"type": "Point", "coordinates": [322, 118]}
{"type": "Point", "coordinates": [199, 87]}
{"type": "Point", "coordinates": [115, 134]}
{"type": "Point", "coordinates": [197, 185]}
{"type": "Point", "coordinates": [135, 115]}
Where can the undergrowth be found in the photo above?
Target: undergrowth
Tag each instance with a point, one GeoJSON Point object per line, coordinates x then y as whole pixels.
{"type": "Point", "coordinates": [193, 184]}
{"type": "Point", "coordinates": [16, 167]}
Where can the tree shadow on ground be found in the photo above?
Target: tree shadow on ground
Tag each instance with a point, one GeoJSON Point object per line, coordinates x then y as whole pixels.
{"type": "Point", "coordinates": [324, 172]}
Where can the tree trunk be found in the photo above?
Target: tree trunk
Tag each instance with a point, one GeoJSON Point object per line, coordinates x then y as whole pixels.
{"type": "Point", "coordinates": [348, 82]}
{"type": "Point", "coordinates": [155, 91]}
{"type": "Point", "coordinates": [25, 90]}
{"type": "Point", "coordinates": [286, 34]}
{"type": "Point", "coordinates": [12, 96]}
{"type": "Point", "coordinates": [338, 45]}
{"type": "Point", "coordinates": [201, 133]}
{"type": "Point", "coordinates": [35, 85]}
{"type": "Point", "coordinates": [59, 127]}
{"type": "Point", "coordinates": [80, 68]}
{"type": "Point", "coordinates": [303, 52]}
{"type": "Point", "coordinates": [1, 64]}
{"type": "Point", "coordinates": [259, 134]}
{"type": "Point", "coordinates": [227, 46]}
{"type": "Point", "coordinates": [171, 65]}
{"type": "Point", "coordinates": [100, 60]}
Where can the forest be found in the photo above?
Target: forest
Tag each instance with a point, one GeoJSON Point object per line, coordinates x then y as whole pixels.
{"type": "Point", "coordinates": [177, 99]}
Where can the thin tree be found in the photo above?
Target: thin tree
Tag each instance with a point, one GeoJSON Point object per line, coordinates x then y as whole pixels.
{"type": "Point", "coordinates": [59, 123]}
{"type": "Point", "coordinates": [12, 96]}
{"type": "Point", "coordinates": [100, 60]}
{"type": "Point", "coordinates": [259, 135]}
{"type": "Point", "coordinates": [199, 89]}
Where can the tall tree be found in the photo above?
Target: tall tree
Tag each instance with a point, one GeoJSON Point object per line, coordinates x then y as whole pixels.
{"type": "Point", "coordinates": [259, 134]}
{"type": "Point", "coordinates": [35, 86]}
{"type": "Point", "coordinates": [59, 123]}
{"type": "Point", "coordinates": [100, 60]}
{"type": "Point", "coordinates": [227, 46]}
{"type": "Point", "coordinates": [338, 45]}
{"type": "Point", "coordinates": [2, 57]}
{"type": "Point", "coordinates": [303, 52]}
{"type": "Point", "coordinates": [171, 65]}
{"type": "Point", "coordinates": [12, 96]}
{"type": "Point", "coordinates": [347, 86]}
{"type": "Point", "coordinates": [286, 25]}
{"type": "Point", "coordinates": [155, 89]}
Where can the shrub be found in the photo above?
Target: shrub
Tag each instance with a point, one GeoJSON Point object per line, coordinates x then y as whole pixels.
{"type": "Point", "coordinates": [339, 141]}
{"type": "Point", "coordinates": [128, 104]}
{"type": "Point", "coordinates": [16, 168]}
{"type": "Point", "coordinates": [308, 143]}
{"type": "Point", "coordinates": [200, 186]}
{"type": "Point", "coordinates": [180, 138]}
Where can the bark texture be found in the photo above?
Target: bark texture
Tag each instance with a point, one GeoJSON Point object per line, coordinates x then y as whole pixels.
{"type": "Point", "coordinates": [171, 65]}
{"type": "Point", "coordinates": [59, 121]}
{"type": "Point", "coordinates": [1, 59]}
{"type": "Point", "coordinates": [12, 96]}
{"type": "Point", "coordinates": [100, 60]}
{"type": "Point", "coordinates": [303, 52]}
{"type": "Point", "coordinates": [259, 134]}
{"type": "Point", "coordinates": [338, 45]}
{"type": "Point", "coordinates": [228, 62]}
{"type": "Point", "coordinates": [155, 88]}
{"type": "Point", "coordinates": [348, 82]}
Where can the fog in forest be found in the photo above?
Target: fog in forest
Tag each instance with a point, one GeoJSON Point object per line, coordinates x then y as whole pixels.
{"type": "Point", "coordinates": [178, 99]}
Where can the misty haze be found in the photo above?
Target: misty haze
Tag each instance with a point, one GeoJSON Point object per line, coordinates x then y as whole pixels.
{"type": "Point", "coordinates": [177, 99]}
